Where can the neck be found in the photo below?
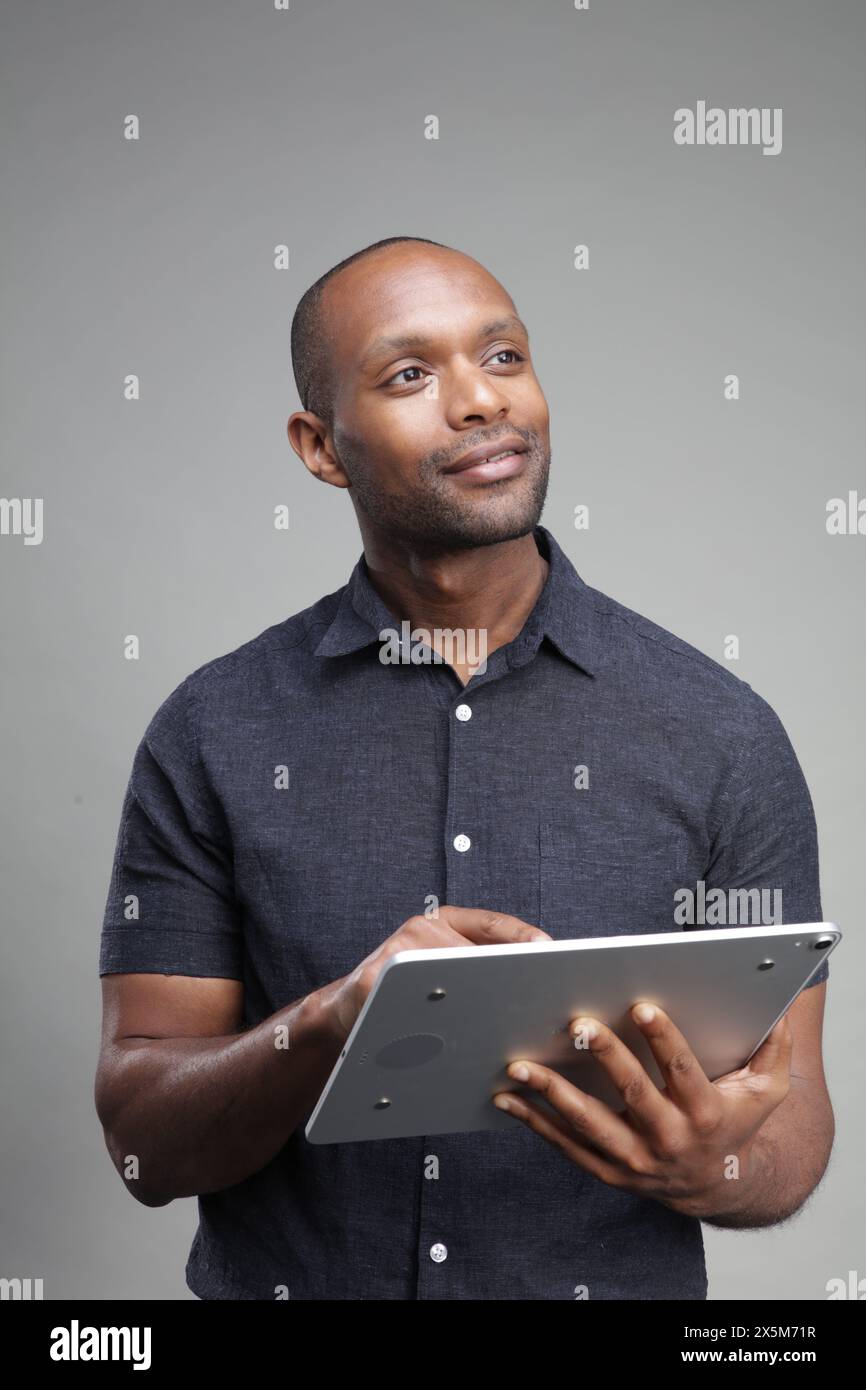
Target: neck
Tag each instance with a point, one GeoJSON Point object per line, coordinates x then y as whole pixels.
{"type": "Point", "coordinates": [491, 589]}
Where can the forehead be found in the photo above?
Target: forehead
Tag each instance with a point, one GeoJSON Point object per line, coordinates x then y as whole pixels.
{"type": "Point", "coordinates": [406, 294]}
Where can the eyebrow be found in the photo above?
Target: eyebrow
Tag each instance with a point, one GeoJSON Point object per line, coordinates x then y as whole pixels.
{"type": "Point", "coordinates": [407, 342]}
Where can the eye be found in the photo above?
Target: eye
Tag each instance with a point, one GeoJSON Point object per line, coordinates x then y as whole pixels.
{"type": "Point", "coordinates": [506, 352]}
{"type": "Point", "coordinates": [397, 375]}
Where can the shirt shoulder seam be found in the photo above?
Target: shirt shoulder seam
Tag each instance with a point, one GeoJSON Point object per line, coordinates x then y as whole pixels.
{"type": "Point", "coordinates": [690, 654]}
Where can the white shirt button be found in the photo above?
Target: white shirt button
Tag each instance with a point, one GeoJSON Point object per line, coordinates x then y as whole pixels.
{"type": "Point", "coordinates": [462, 842]}
{"type": "Point", "coordinates": [463, 713]}
{"type": "Point", "coordinates": [438, 1253]}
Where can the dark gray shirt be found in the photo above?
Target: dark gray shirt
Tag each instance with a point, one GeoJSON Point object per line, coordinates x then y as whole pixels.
{"type": "Point", "coordinates": [292, 802]}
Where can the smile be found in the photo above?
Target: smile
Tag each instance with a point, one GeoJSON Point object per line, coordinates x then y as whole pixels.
{"type": "Point", "coordinates": [501, 465]}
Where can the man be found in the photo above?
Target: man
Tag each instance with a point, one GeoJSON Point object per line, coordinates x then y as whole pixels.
{"type": "Point", "coordinates": [300, 809]}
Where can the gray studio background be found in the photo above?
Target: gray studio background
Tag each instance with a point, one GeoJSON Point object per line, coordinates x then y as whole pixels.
{"type": "Point", "coordinates": [156, 257]}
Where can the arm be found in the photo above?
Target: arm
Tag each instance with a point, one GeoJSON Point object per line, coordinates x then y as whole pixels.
{"type": "Point", "coordinates": [190, 1100]}
{"type": "Point", "coordinates": [768, 837]}
{"type": "Point", "coordinates": [200, 1104]}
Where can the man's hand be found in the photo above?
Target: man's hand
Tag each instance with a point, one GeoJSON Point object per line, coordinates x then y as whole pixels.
{"type": "Point", "coordinates": [672, 1145]}
{"type": "Point", "coordinates": [454, 926]}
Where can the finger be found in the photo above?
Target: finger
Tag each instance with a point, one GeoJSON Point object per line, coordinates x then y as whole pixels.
{"type": "Point", "coordinates": [557, 1132]}
{"type": "Point", "coordinates": [640, 1094]}
{"type": "Point", "coordinates": [485, 928]}
{"type": "Point", "coordinates": [588, 1120]}
{"type": "Point", "coordinates": [685, 1078]}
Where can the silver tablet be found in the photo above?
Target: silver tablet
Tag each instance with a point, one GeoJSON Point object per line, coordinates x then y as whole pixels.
{"type": "Point", "coordinates": [430, 1046]}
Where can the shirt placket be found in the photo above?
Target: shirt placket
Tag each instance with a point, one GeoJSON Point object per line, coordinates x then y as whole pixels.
{"type": "Point", "coordinates": [439, 1245]}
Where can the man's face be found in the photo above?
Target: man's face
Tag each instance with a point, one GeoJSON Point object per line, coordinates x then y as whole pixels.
{"type": "Point", "coordinates": [406, 412]}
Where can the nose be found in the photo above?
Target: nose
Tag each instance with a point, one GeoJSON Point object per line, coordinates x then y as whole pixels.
{"type": "Point", "coordinates": [473, 396]}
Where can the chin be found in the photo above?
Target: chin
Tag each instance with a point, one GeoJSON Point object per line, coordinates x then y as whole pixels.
{"type": "Point", "coordinates": [480, 529]}
{"type": "Point", "coordinates": [489, 524]}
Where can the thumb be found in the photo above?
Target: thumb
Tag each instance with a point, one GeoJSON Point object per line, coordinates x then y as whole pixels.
{"type": "Point", "coordinates": [774, 1054]}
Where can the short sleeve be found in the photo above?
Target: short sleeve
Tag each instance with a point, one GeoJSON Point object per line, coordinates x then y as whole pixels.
{"type": "Point", "coordinates": [171, 907]}
{"type": "Point", "coordinates": [767, 837]}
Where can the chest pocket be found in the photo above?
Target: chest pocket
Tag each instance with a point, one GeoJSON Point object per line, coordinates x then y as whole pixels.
{"type": "Point", "coordinates": [597, 883]}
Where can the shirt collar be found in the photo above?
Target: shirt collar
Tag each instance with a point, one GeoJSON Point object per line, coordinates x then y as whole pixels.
{"type": "Point", "coordinates": [564, 613]}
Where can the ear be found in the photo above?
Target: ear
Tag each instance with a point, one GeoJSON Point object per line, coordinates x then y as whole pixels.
{"type": "Point", "coordinates": [309, 437]}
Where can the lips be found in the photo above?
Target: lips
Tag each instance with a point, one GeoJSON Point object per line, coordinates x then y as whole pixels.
{"type": "Point", "coordinates": [501, 450]}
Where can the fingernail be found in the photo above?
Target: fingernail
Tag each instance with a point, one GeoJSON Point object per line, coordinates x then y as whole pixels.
{"type": "Point", "coordinates": [519, 1070]}
{"type": "Point", "coordinates": [587, 1026]}
{"type": "Point", "coordinates": [502, 1102]}
{"type": "Point", "coordinates": [645, 1012]}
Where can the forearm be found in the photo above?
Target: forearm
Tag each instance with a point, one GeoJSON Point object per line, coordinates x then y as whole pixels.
{"type": "Point", "coordinates": [201, 1114]}
{"type": "Point", "coordinates": [783, 1165]}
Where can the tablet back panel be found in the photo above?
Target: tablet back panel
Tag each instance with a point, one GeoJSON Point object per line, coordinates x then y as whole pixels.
{"type": "Point", "coordinates": [430, 1047]}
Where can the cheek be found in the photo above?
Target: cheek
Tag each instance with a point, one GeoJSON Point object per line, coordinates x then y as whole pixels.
{"type": "Point", "coordinates": [390, 435]}
{"type": "Point", "coordinates": [529, 407]}
{"type": "Point", "coordinates": [539, 406]}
